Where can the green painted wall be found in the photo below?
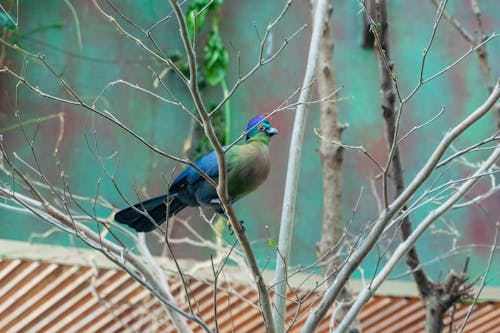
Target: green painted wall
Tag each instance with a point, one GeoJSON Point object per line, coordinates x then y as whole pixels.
{"type": "Point", "coordinates": [49, 28]}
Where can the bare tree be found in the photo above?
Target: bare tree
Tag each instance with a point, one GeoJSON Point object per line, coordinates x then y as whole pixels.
{"type": "Point", "coordinates": [28, 188]}
{"type": "Point", "coordinates": [331, 160]}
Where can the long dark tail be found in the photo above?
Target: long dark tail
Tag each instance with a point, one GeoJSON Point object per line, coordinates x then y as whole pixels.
{"type": "Point", "coordinates": [156, 208]}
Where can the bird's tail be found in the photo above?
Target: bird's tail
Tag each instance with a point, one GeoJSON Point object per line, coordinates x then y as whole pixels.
{"type": "Point", "coordinates": [137, 217]}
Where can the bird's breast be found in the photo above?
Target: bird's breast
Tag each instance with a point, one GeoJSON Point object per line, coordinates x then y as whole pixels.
{"type": "Point", "coordinates": [251, 165]}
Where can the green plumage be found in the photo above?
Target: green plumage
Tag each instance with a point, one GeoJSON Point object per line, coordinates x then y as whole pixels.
{"type": "Point", "coordinates": [248, 166]}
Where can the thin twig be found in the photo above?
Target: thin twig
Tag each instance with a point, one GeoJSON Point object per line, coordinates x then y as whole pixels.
{"type": "Point", "coordinates": [359, 148]}
{"type": "Point", "coordinates": [465, 55]}
{"type": "Point", "coordinates": [415, 128]}
{"type": "Point", "coordinates": [461, 152]}
{"type": "Point", "coordinates": [483, 279]}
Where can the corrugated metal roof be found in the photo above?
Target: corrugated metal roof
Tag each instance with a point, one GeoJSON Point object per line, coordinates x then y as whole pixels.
{"type": "Point", "coordinates": [50, 296]}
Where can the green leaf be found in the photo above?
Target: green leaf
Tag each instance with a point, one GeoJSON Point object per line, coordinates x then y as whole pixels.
{"type": "Point", "coordinates": [192, 23]}
{"type": "Point", "coordinates": [215, 58]}
{"type": "Point", "coordinates": [272, 242]}
{"type": "Point", "coordinates": [195, 17]}
{"type": "Point", "coordinates": [7, 21]}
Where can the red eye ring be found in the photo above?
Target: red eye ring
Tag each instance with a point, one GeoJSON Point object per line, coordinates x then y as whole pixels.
{"type": "Point", "coordinates": [261, 128]}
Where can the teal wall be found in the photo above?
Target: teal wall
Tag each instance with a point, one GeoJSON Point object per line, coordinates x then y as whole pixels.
{"type": "Point", "coordinates": [106, 56]}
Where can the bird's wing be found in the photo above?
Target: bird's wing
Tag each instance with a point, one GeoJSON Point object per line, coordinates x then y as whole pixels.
{"type": "Point", "coordinates": [207, 164]}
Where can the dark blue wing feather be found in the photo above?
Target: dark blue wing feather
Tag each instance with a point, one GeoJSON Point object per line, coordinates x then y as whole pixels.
{"type": "Point", "coordinates": [188, 189]}
{"type": "Point", "coordinates": [207, 164]}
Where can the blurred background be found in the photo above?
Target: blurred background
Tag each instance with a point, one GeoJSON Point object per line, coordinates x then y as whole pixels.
{"type": "Point", "coordinates": [91, 55]}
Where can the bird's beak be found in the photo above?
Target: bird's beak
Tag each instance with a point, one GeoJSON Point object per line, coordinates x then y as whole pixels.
{"type": "Point", "coordinates": [272, 131]}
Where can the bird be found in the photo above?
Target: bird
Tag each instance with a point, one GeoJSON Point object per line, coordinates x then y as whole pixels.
{"type": "Point", "coordinates": [247, 166]}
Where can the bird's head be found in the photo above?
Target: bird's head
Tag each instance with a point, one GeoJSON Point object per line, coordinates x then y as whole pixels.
{"type": "Point", "coordinates": [260, 128]}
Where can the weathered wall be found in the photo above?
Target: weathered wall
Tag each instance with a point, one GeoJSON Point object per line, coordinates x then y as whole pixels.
{"type": "Point", "coordinates": [107, 56]}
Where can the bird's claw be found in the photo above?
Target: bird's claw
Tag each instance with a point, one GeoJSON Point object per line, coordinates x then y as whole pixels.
{"type": "Point", "coordinates": [230, 227]}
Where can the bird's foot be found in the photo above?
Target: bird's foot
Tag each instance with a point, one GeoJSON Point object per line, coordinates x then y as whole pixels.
{"type": "Point", "coordinates": [230, 227]}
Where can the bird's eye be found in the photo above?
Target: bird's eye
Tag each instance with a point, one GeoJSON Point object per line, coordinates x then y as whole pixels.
{"type": "Point", "coordinates": [261, 128]}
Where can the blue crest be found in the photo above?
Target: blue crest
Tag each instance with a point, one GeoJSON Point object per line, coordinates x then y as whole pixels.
{"type": "Point", "coordinates": [253, 123]}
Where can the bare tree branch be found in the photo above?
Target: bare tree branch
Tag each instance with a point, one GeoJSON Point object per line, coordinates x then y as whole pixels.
{"type": "Point", "coordinates": [292, 175]}
{"type": "Point", "coordinates": [391, 118]}
{"type": "Point", "coordinates": [483, 278]}
{"type": "Point", "coordinates": [331, 157]}
{"type": "Point", "coordinates": [395, 207]}
{"type": "Point", "coordinates": [407, 244]}
{"type": "Point", "coordinates": [478, 44]}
